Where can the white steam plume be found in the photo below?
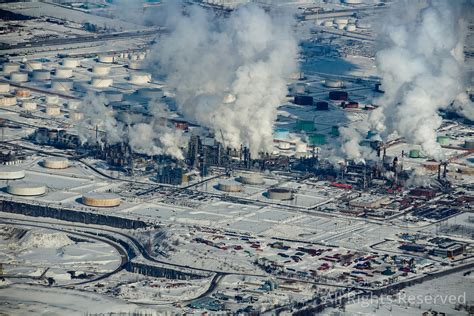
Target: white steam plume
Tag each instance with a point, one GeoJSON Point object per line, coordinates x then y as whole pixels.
{"type": "Point", "coordinates": [421, 69]}
{"type": "Point", "coordinates": [249, 55]}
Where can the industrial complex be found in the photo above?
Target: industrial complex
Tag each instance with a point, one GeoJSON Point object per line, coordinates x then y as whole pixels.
{"type": "Point", "coordinates": [236, 157]}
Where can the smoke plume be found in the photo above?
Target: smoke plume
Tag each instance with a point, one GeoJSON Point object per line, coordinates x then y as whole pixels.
{"type": "Point", "coordinates": [243, 59]}
{"type": "Point", "coordinates": [421, 70]}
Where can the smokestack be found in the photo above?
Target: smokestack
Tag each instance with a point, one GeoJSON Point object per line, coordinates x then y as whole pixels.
{"type": "Point", "coordinates": [444, 170]}
{"type": "Point", "coordinates": [439, 172]}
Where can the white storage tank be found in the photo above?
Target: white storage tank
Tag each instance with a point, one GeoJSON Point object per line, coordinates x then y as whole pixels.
{"type": "Point", "coordinates": [10, 67]}
{"type": "Point", "coordinates": [60, 84]}
{"type": "Point", "coordinates": [19, 76]}
{"type": "Point", "coordinates": [24, 188]}
{"type": "Point", "coordinates": [70, 62]}
{"type": "Point", "coordinates": [229, 186]}
{"type": "Point", "coordinates": [101, 199]}
{"type": "Point", "coordinates": [328, 23]}
{"type": "Point", "coordinates": [63, 72]}
{"type": "Point", "coordinates": [333, 83]}
{"type": "Point", "coordinates": [140, 78]}
{"type": "Point", "coordinates": [350, 27]}
{"type": "Point", "coordinates": [33, 65]}
{"type": "Point", "coordinates": [252, 179]}
{"type": "Point", "coordinates": [134, 65]}
{"type": "Point", "coordinates": [340, 26]}
{"type": "Point", "coordinates": [101, 82]}
{"type": "Point", "coordinates": [4, 87]}
{"type": "Point", "coordinates": [73, 104]}
{"type": "Point", "coordinates": [55, 163]}
{"type": "Point", "coordinates": [283, 145]}
{"type": "Point", "coordinates": [29, 105]}
{"type": "Point", "coordinates": [11, 173]}
{"type": "Point", "coordinates": [76, 116]}
{"type": "Point", "coordinates": [106, 58]}
{"type": "Point", "coordinates": [301, 148]}
{"type": "Point", "coordinates": [41, 74]}
{"type": "Point", "coordinates": [22, 93]}
{"type": "Point", "coordinates": [52, 99]}
{"type": "Point", "coordinates": [280, 194]}
{"type": "Point", "coordinates": [100, 70]}
{"type": "Point", "coordinates": [53, 110]}
{"type": "Point", "coordinates": [341, 21]}
{"type": "Point", "coordinates": [7, 100]}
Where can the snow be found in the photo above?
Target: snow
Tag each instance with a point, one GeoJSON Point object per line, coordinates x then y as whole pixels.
{"type": "Point", "coordinates": [45, 240]}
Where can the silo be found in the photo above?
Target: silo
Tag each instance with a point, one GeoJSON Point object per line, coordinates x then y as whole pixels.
{"type": "Point", "coordinates": [101, 82]}
{"type": "Point", "coordinates": [11, 173]}
{"type": "Point", "coordinates": [4, 87]}
{"type": "Point", "coordinates": [10, 67]}
{"type": "Point", "coordinates": [7, 100]}
{"type": "Point", "coordinates": [333, 83]}
{"type": "Point", "coordinates": [63, 72]}
{"type": "Point", "coordinates": [100, 70]}
{"type": "Point", "coordinates": [229, 186]}
{"type": "Point", "coordinates": [140, 78]}
{"type": "Point", "coordinates": [23, 188]}
{"type": "Point", "coordinates": [41, 74]}
{"type": "Point", "coordinates": [62, 84]}
{"type": "Point", "coordinates": [443, 140]}
{"type": "Point", "coordinates": [280, 194]}
{"type": "Point", "coordinates": [101, 199]}
{"type": "Point", "coordinates": [53, 110]}
{"type": "Point", "coordinates": [70, 62]}
{"type": "Point", "coordinates": [55, 163]}
{"type": "Point", "coordinates": [52, 99]}
{"type": "Point", "coordinates": [317, 139]}
{"type": "Point", "coordinates": [29, 105]}
{"type": "Point", "coordinates": [22, 93]}
{"type": "Point", "coordinates": [33, 65]}
{"type": "Point", "coordinates": [19, 76]}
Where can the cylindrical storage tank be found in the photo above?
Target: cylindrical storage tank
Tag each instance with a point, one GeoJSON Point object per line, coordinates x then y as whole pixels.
{"type": "Point", "coordinates": [63, 72]}
{"type": "Point", "coordinates": [55, 163]}
{"type": "Point", "coordinates": [7, 100]}
{"type": "Point", "coordinates": [101, 199]}
{"type": "Point", "coordinates": [301, 147]}
{"type": "Point", "coordinates": [279, 194]}
{"type": "Point", "coordinates": [4, 87]}
{"type": "Point", "coordinates": [340, 26]}
{"type": "Point", "coordinates": [469, 144]}
{"type": "Point", "coordinates": [414, 153]}
{"type": "Point", "coordinates": [331, 83]}
{"type": "Point", "coordinates": [10, 67]}
{"type": "Point", "coordinates": [106, 59]}
{"type": "Point", "coordinates": [135, 65]}
{"type": "Point", "coordinates": [11, 173]}
{"type": "Point", "coordinates": [305, 126]}
{"type": "Point", "coordinates": [62, 84]}
{"type": "Point", "coordinates": [443, 140]}
{"type": "Point", "coordinates": [351, 105]}
{"type": "Point", "coordinates": [317, 139]}
{"type": "Point", "coordinates": [297, 75]}
{"type": "Point", "coordinates": [53, 110]}
{"type": "Point", "coordinates": [328, 23]}
{"type": "Point", "coordinates": [101, 82]}
{"type": "Point", "coordinates": [299, 88]}
{"type": "Point", "coordinates": [52, 99]}
{"type": "Point", "coordinates": [29, 105]}
{"type": "Point", "coordinates": [341, 20]}
{"type": "Point", "coordinates": [352, 1]}
{"type": "Point", "coordinates": [73, 104]}
{"type": "Point", "coordinates": [338, 95]}
{"type": "Point", "coordinates": [303, 100]}
{"type": "Point", "coordinates": [19, 76]}
{"type": "Point", "coordinates": [281, 133]}
{"type": "Point", "coordinates": [229, 186]}
{"type": "Point", "coordinates": [283, 145]}
{"type": "Point", "coordinates": [70, 62]}
{"type": "Point", "coordinates": [150, 93]}
{"type": "Point", "coordinates": [22, 93]}
{"type": "Point", "coordinates": [252, 179]}
{"type": "Point", "coordinates": [33, 65]}
{"type": "Point", "coordinates": [140, 78]}
{"type": "Point", "coordinates": [100, 70]}
{"type": "Point", "coordinates": [113, 96]}
{"type": "Point", "coordinates": [350, 27]}
{"type": "Point", "coordinates": [76, 116]}
{"type": "Point", "coordinates": [24, 188]}
{"type": "Point", "coordinates": [141, 56]}
{"type": "Point", "coordinates": [322, 106]}
{"type": "Point", "coordinates": [41, 74]}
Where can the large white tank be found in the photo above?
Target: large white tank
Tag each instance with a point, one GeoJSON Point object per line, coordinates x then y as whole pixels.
{"type": "Point", "coordinates": [101, 82]}
{"type": "Point", "coordinates": [11, 173]}
{"type": "Point", "coordinates": [70, 62]}
{"type": "Point", "coordinates": [140, 78]}
{"type": "Point", "coordinates": [33, 65]}
{"type": "Point", "coordinates": [150, 93]}
{"type": "Point", "coordinates": [10, 67]}
{"type": "Point", "coordinates": [24, 188]}
{"type": "Point", "coordinates": [19, 76]}
{"type": "Point", "coordinates": [63, 72]}
{"type": "Point", "coordinates": [341, 20]}
{"type": "Point", "coordinates": [352, 1]}
{"type": "Point", "coordinates": [279, 194]}
{"type": "Point", "coordinates": [101, 199]}
{"type": "Point", "coordinates": [333, 83]}
{"type": "Point", "coordinates": [53, 110]}
{"type": "Point", "coordinates": [4, 87]}
{"type": "Point", "coordinates": [100, 70]}
{"type": "Point", "coordinates": [106, 58]}
{"type": "Point", "coordinates": [7, 100]}
{"type": "Point", "coordinates": [301, 147]}
{"type": "Point", "coordinates": [135, 65]}
{"type": "Point", "coordinates": [41, 74]}
{"type": "Point", "coordinates": [22, 93]}
{"type": "Point", "coordinates": [252, 179]}
{"type": "Point", "coordinates": [76, 116]}
{"type": "Point", "coordinates": [52, 99]}
{"type": "Point", "coordinates": [29, 105]}
{"type": "Point", "coordinates": [328, 23]}
{"type": "Point", "coordinates": [340, 26]}
{"type": "Point", "coordinates": [55, 163]}
{"type": "Point", "coordinates": [283, 145]}
{"type": "Point", "coordinates": [73, 104]}
{"type": "Point", "coordinates": [350, 27]}
{"type": "Point", "coordinates": [61, 84]}
{"type": "Point", "coordinates": [229, 98]}
{"type": "Point", "coordinates": [229, 186]}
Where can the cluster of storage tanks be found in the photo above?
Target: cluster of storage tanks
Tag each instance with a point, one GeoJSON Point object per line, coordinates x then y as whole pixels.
{"type": "Point", "coordinates": [237, 185]}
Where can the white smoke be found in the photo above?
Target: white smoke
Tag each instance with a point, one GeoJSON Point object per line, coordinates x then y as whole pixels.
{"type": "Point", "coordinates": [247, 55]}
{"type": "Point", "coordinates": [421, 70]}
{"type": "Point", "coordinates": [145, 135]}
